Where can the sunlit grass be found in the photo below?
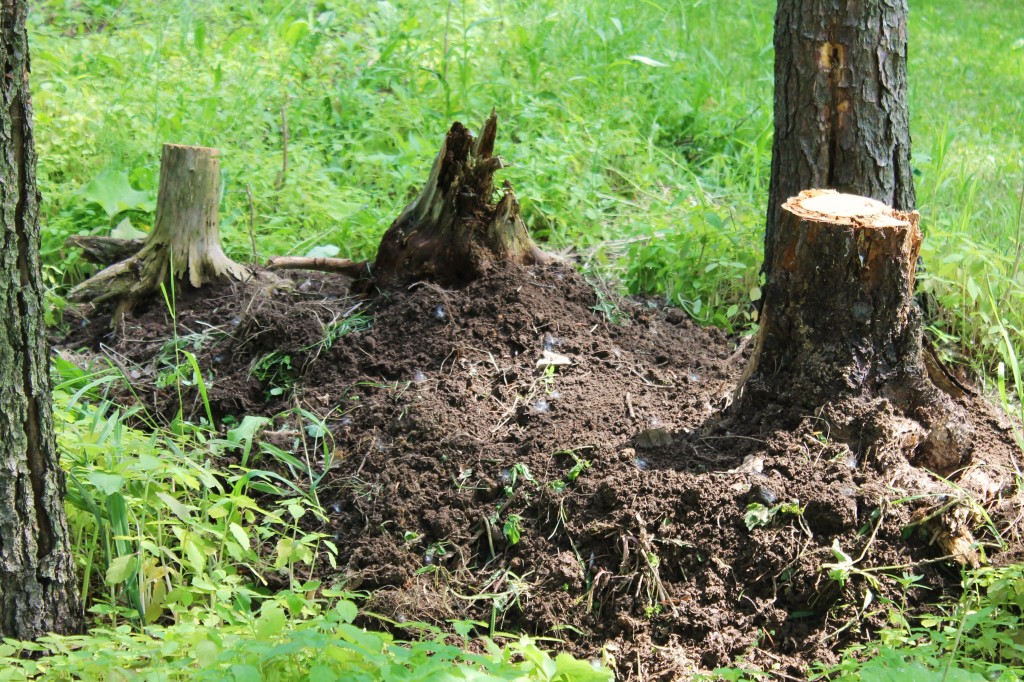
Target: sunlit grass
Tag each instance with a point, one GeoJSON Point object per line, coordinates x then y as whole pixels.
{"type": "Point", "coordinates": [639, 131]}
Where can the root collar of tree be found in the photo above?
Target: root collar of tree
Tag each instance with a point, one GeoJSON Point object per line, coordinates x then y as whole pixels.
{"type": "Point", "coordinates": [185, 239]}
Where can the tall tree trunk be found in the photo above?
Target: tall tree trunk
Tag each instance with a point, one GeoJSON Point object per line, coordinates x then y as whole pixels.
{"type": "Point", "coordinates": [841, 119]}
{"type": "Point", "coordinates": [38, 581]}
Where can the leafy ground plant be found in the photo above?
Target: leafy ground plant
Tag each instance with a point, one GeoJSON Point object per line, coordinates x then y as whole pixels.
{"type": "Point", "coordinates": [276, 645]}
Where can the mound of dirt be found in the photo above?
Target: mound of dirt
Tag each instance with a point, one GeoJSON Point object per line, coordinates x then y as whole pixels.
{"type": "Point", "coordinates": [505, 453]}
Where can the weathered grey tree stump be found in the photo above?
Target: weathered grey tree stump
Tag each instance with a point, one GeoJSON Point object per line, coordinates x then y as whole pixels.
{"type": "Point", "coordinates": [185, 239]}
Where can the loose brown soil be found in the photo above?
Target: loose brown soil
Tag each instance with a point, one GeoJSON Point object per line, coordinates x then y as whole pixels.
{"type": "Point", "coordinates": [628, 481]}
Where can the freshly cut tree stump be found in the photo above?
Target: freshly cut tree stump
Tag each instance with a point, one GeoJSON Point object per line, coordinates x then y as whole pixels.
{"type": "Point", "coordinates": [454, 232]}
{"type": "Point", "coordinates": [185, 239]}
{"type": "Point", "coordinates": [840, 334]}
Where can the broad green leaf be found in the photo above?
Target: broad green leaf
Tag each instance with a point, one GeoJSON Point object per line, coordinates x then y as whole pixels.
{"type": "Point", "coordinates": [297, 511]}
{"type": "Point", "coordinates": [206, 653]}
{"type": "Point", "coordinates": [196, 556]}
{"type": "Point", "coordinates": [112, 191]}
{"type": "Point", "coordinates": [324, 251]}
{"type": "Point", "coordinates": [246, 673]}
{"type": "Point", "coordinates": [246, 431]}
{"type": "Point", "coordinates": [298, 30]}
{"type": "Point", "coordinates": [581, 671]}
{"type": "Point", "coordinates": [125, 230]}
{"type": "Point", "coordinates": [270, 622]}
{"type": "Point", "coordinates": [120, 569]}
{"type": "Point", "coordinates": [240, 534]}
{"type": "Point", "coordinates": [346, 610]}
{"type": "Point", "coordinates": [321, 673]}
{"type": "Point", "coordinates": [108, 484]}
{"type": "Point", "coordinates": [284, 552]}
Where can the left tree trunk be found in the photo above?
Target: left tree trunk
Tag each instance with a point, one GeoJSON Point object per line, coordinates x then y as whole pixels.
{"type": "Point", "coordinates": [38, 580]}
{"type": "Point", "coordinates": [841, 119]}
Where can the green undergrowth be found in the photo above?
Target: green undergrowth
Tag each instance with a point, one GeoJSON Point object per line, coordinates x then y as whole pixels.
{"type": "Point", "coordinates": [277, 644]}
{"type": "Point", "coordinates": [977, 639]}
{"type": "Point", "coordinates": [194, 568]}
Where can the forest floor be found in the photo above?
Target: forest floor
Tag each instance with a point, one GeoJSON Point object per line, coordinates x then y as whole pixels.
{"type": "Point", "coordinates": [528, 454]}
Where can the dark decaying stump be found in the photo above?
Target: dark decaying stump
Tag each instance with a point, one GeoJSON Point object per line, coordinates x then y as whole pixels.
{"type": "Point", "coordinates": [453, 231]}
{"type": "Point", "coordinates": [840, 335]}
{"type": "Point", "coordinates": [185, 239]}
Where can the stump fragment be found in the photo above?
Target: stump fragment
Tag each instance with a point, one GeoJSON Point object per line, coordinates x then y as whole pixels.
{"type": "Point", "coordinates": [185, 239]}
{"type": "Point", "coordinates": [453, 232]}
{"type": "Point", "coordinates": [840, 334]}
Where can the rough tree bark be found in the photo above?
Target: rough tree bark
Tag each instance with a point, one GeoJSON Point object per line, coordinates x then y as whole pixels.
{"type": "Point", "coordinates": [185, 239]}
{"type": "Point", "coordinates": [38, 581]}
{"type": "Point", "coordinates": [453, 232]}
{"type": "Point", "coordinates": [841, 119]}
{"type": "Point", "coordinates": [840, 332]}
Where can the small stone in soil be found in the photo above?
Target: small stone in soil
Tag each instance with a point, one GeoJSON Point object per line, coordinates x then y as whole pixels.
{"type": "Point", "coordinates": [767, 495]}
{"type": "Point", "coordinates": [653, 438]}
{"type": "Point", "coordinates": [418, 376]}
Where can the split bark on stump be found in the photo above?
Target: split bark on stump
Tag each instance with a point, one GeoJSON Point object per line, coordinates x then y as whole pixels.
{"type": "Point", "coordinates": [453, 232]}
{"type": "Point", "coordinates": [185, 239]}
{"type": "Point", "coordinates": [840, 335]}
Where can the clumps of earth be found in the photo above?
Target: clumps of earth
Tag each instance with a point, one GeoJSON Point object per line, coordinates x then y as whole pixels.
{"type": "Point", "coordinates": [528, 454]}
